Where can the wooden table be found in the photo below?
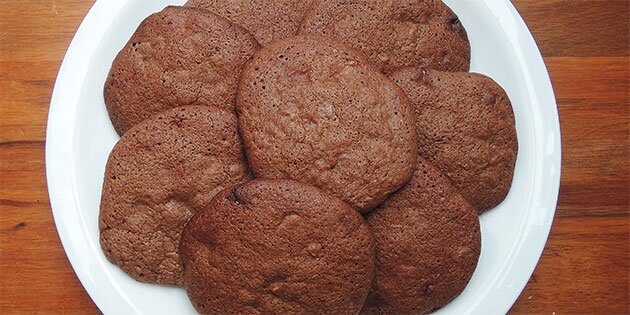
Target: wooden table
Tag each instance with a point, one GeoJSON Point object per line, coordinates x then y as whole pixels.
{"type": "Point", "coordinates": [585, 265]}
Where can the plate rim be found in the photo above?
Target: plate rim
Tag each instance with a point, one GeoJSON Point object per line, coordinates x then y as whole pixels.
{"type": "Point", "coordinates": [59, 148]}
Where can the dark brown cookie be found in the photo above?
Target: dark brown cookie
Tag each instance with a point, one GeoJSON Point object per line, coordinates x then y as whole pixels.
{"type": "Point", "coordinates": [277, 247]}
{"type": "Point", "coordinates": [179, 56]}
{"type": "Point", "coordinates": [394, 33]}
{"type": "Point", "coordinates": [315, 110]}
{"type": "Point", "coordinates": [161, 172]}
{"type": "Point", "coordinates": [427, 245]}
{"type": "Point", "coordinates": [466, 128]}
{"type": "Point", "coordinates": [267, 20]}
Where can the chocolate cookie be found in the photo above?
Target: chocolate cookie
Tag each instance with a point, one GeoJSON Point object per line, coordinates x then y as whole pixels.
{"type": "Point", "coordinates": [267, 20]}
{"type": "Point", "coordinates": [179, 56]}
{"type": "Point", "coordinates": [394, 33]}
{"type": "Point", "coordinates": [277, 247]}
{"type": "Point", "coordinates": [161, 172]}
{"type": "Point", "coordinates": [427, 245]}
{"type": "Point", "coordinates": [466, 128]}
{"type": "Point", "coordinates": [315, 110]}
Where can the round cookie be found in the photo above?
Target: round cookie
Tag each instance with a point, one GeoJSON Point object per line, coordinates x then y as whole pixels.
{"type": "Point", "coordinates": [315, 110]}
{"type": "Point", "coordinates": [161, 172]}
{"type": "Point", "coordinates": [394, 33]}
{"type": "Point", "coordinates": [466, 128]}
{"type": "Point", "coordinates": [277, 247]}
{"type": "Point", "coordinates": [266, 20]}
{"type": "Point", "coordinates": [179, 56]}
{"type": "Point", "coordinates": [428, 243]}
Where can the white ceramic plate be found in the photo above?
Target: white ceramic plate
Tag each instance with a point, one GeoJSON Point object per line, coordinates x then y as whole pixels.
{"type": "Point", "coordinates": [80, 137]}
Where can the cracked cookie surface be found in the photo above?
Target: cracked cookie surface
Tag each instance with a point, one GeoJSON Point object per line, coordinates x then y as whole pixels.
{"type": "Point", "coordinates": [394, 33]}
{"type": "Point", "coordinates": [315, 110]}
{"type": "Point", "coordinates": [179, 56]}
{"type": "Point", "coordinates": [158, 175]}
{"type": "Point", "coordinates": [277, 247]}
{"type": "Point", "coordinates": [428, 242]}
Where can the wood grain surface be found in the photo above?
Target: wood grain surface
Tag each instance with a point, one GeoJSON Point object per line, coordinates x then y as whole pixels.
{"type": "Point", "coordinates": [585, 265]}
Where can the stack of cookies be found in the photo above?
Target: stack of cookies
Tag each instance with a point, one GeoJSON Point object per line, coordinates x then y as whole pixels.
{"type": "Point", "coordinates": [303, 157]}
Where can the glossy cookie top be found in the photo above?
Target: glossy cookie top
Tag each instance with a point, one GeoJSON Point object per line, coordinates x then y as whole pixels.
{"type": "Point", "coordinates": [161, 172]}
{"type": "Point", "coordinates": [466, 129]}
{"type": "Point", "coordinates": [179, 56]}
{"type": "Point", "coordinates": [428, 243]}
{"type": "Point", "coordinates": [315, 110]}
{"type": "Point", "coordinates": [277, 247]}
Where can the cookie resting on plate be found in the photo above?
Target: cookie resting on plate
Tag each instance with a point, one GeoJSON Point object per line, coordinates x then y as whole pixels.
{"type": "Point", "coordinates": [466, 129]}
{"type": "Point", "coordinates": [158, 175]}
{"type": "Point", "coordinates": [179, 56]}
{"type": "Point", "coordinates": [277, 247]}
{"type": "Point", "coordinates": [428, 243]}
{"type": "Point", "coordinates": [315, 110]}
{"type": "Point", "coordinates": [394, 33]}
